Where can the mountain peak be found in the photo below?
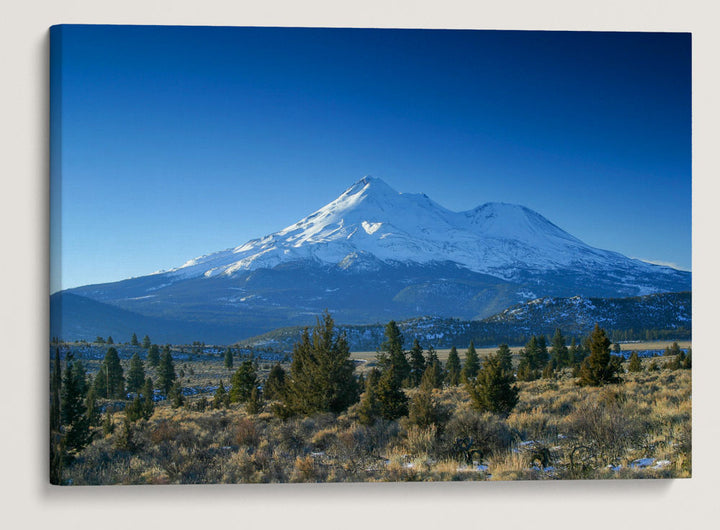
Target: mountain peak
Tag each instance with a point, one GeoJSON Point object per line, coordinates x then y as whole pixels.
{"type": "Point", "coordinates": [369, 185]}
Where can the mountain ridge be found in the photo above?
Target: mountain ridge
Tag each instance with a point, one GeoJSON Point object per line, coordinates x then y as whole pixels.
{"type": "Point", "coordinates": [376, 254]}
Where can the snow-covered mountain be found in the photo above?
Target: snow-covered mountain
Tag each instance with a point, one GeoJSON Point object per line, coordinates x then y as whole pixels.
{"type": "Point", "coordinates": [374, 254]}
{"type": "Point", "coordinates": [371, 221]}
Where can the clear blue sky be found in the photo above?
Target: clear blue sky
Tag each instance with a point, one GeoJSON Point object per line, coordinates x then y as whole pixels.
{"type": "Point", "coordinates": [174, 142]}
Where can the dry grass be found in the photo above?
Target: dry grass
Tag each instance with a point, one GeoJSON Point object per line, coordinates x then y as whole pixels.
{"type": "Point", "coordinates": [557, 431]}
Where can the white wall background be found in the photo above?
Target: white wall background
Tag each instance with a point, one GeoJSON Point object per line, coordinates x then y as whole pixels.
{"type": "Point", "coordinates": [27, 501]}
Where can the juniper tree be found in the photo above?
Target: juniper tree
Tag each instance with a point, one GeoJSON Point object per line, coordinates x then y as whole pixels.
{"type": "Point", "coordinates": [255, 402]}
{"type": "Point", "coordinates": [146, 342]}
{"type": "Point", "coordinates": [599, 367]}
{"type": "Point", "coordinates": [134, 340]}
{"type": "Point", "coordinates": [243, 381]}
{"type": "Point", "coordinates": [136, 374]}
{"type": "Point", "coordinates": [109, 381]}
{"type": "Point", "coordinates": [148, 394]}
{"type": "Point", "coordinates": [221, 399]}
{"type": "Point", "coordinates": [634, 364]}
{"type": "Point", "coordinates": [91, 406]}
{"type": "Point", "coordinates": [391, 352]}
{"type": "Point", "coordinates": [321, 375]}
{"type": "Point", "coordinates": [505, 357]}
{"type": "Point", "coordinates": [153, 357]}
{"type": "Point", "coordinates": [73, 409]}
{"type": "Point", "coordinates": [423, 410]}
{"type": "Point", "coordinates": [177, 399]}
{"type": "Point", "coordinates": [453, 368]}
{"type": "Point", "coordinates": [560, 353]}
{"type": "Point", "coordinates": [434, 369]}
{"type": "Point", "coordinates": [493, 390]}
{"type": "Point", "coordinates": [472, 363]}
{"type": "Point", "coordinates": [228, 359]}
{"type": "Point", "coordinates": [393, 402]}
{"type": "Point", "coordinates": [275, 383]}
{"type": "Point", "coordinates": [417, 363]}
{"type": "Point", "coordinates": [166, 372]}
{"type": "Point", "coordinates": [110, 340]}
{"type": "Point", "coordinates": [369, 408]}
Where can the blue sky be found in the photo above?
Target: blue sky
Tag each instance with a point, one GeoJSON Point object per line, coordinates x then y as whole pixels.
{"type": "Point", "coordinates": [172, 142]}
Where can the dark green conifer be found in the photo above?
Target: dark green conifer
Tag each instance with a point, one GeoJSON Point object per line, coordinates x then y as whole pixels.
{"type": "Point", "coordinates": [153, 357]}
{"type": "Point", "coordinates": [321, 375]}
{"type": "Point", "coordinates": [136, 374]}
{"type": "Point", "coordinates": [109, 381]}
{"type": "Point", "coordinates": [392, 353]}
{"type": "Point", "coordinates": [146, 342]}
{"type": "Point", "coordinates": [228, 358]}
{"type": "Point", "coordinates": [148, 394]}
{"type": "Point", "coordinates": [599, 367]}
{"type": "Point", "coordinates": [177, 399]}
{"type": "Point", "coordinates": [560, 354]}
{"type": "Point", "coordinates": [275, 383]}
{"type": "Point", "coordinates": [221, 398]}
{"type": "Point", "coordinates": [73, 409]}
{"type": "Point", "coordinates": [634, 363]}
{"type": "Point", "coordinates": [110, 340]}
{"type": "Point", "coordinates": [134, 340]}
{"type": "Point", "coordinates": [243, 381]}
{"type": "Point", "coordinates": [392, 400]}
{"type": "Point", "coordinates": [453, 368]}
{"type": "Point", "coordinates": [417, 363]}
{"type": "Point", "coordinates": [424, 410]}
{"type": "Point", "coordinates": [369, 408]}
{"type": "Point", "coordinates": [493, 390]}
{"type": "Point", "coordinates": [472, 363]}
{"type": "Point", "coordinates": [255, 403]}
{"type": "Point", "coordinates": [166, 372]}
{"type": "Point", "coordinates": [505, 357]}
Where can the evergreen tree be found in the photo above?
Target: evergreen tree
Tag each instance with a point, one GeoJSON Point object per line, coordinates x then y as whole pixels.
{"type": "Point", "coordinates": [417, 363]}
{"type": "Point", "coordinates": [505, 357]}
{"type": "Point", "coordinates": [543, 356]}
{"type": "Point", "coordinates": [228, 359]}
{"type": "Point", "coordinates": [109, 381]}
{"type": "Point", "coordinates": [548, 372]}
{"type": "Point", "coordinates": [55, 384]}
{"type": "Point", "coordinates": [321, 375]}
{"type": "Point", "coordinates": [146, 342]}
{"type": "Point", "coordinates": [73, 409]}
{"type": "Point", "coordinates": [493, 390]}
{"type": "Point", "coordinates": [453, 367]}
{"type": "Point", "coordinates": [275, 383]}
{"type": "Point", "coordinates": [175, 395]}
{"type": "Point", "coordinates": [148, 403]}
{"type": "Point", "coordinates": [166, 372]}
{"type": "Point", "coordinates": [221, 398]}
{"type": "Point", "coordinates": [393, 402]}
{"type": "Point", "coordinates": [434, 373]}
{"type": "Point", "coordinates": [243, 381]}
{"type": "Point", "coordinates": [110, 340]}
{"type": "Point", "coordinates": [599, 367]}
{"type": "Point", "coordinates": [134, 340]}
{"type": "Point", "coordinates": [255, 403]}
{"type": "Point", "coordinates": [687, 363]}
{"type": "Point", "coordinates": [369, 409]}
{"type": "Point", "coordinates": [153, 357]}
{"type": "Point", "coordinates": [634, 364]}
{"type": "Point", "coordinates": [423, 410]}
{"type": "Point", "coordinates": [573, 353]}
{"type": "Point", "coordinates": [91, 406]}
{"type": "Point", "coordinates": [392, 354]}
{"type": "Point", "coordinates": [616, 349]}
{"type": "Point", "coordinates": [134, 410]}
{"type": "Point", "coordinates": [525, 371]}
{"type": "Point", "coordinates": [136, 374]}
{"type": "Point", "coordinates": [560, 353]}
{"type": "Point", "coordinates": [472, 363]}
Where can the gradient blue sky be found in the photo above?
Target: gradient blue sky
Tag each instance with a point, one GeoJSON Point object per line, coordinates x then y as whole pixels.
{"type": "Point", "coordinates": [172, 142]}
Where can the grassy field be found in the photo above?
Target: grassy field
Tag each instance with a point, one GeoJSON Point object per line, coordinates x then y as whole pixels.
{"type": "Point", "coordinates": [640, 428]}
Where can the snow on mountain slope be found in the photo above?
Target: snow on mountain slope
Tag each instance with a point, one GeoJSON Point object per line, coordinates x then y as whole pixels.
{"type": "Point", "coordinates": [373, 220]}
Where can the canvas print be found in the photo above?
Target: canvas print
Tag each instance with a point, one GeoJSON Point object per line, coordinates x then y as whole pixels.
{"type": "Point", "coordinates": [285, 255]}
